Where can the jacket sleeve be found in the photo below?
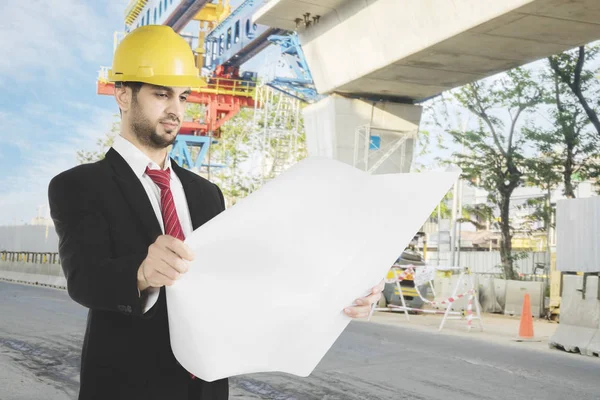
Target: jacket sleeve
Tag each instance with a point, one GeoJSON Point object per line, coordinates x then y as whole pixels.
{"type": "Point", "coordinates": [94, 279]}
{"type": "Point", "coordinates": [221, 198]}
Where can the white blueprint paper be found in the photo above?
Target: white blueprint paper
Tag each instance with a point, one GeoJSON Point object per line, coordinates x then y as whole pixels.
{"type": "Point", "coordinates": [273, 273]}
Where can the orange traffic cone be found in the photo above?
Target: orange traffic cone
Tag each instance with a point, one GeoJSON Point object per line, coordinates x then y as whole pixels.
{"type": "Point", "coordinates": [526, 325]}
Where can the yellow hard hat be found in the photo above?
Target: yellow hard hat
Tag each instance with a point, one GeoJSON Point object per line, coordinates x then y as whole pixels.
{"type": "Point", "coordinates": [157, 55]}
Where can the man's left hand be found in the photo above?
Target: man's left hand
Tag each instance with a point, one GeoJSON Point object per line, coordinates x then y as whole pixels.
{"type": "Point", "coordinates": [363, 304]}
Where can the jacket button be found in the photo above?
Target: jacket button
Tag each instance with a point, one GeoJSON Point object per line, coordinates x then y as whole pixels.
{"type": "Point", "coordinates": [124, 309]}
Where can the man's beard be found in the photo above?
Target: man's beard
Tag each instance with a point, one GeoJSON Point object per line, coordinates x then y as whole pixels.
{"type": "Point", "coordinates": [146, 133]}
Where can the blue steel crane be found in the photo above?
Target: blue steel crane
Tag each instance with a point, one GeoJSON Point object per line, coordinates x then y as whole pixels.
{"type": "Point", "coordinates": [237, 39]}
{"type": "Point", "coordinates": [226, 40]}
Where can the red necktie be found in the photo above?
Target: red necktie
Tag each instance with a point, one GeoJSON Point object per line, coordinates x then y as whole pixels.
{"type": "Point", "coordinates": [167, 205]}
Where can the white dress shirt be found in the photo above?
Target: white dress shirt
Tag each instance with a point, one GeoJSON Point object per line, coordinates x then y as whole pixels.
{"type": "Point", "coordinates": [138, 161]}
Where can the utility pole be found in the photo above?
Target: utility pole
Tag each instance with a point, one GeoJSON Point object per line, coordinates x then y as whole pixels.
{"type": "Point", "coordinates": [459, 216]}
{"type": "Point", "coordinates": [548, 236]}
{"type": "Point", "coordinates": [453, 240]}
{"type": "Point", "coordinates": [453, 228]}
{"type": "Point", "coordinates": [548, 162]}
{"type": "Point", "coordinates": [439, 225]}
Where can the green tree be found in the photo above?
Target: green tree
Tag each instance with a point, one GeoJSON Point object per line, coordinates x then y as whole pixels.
{"type": "Point", "coordinates": [193, 111]}
{"type": "Point", "coordinates": [233, 150]}
{"type": "Point", "coordinates": [443, 209]}
{"type": "Point", "coordinates": [492, 155]}
{"type": "Point", "coordinates": [280, 137]}
{"type": "Point", "coordinates": [545, 173]}
{"type": "Point", "coordinates": [574, 71]}
{"type": "Point", "coordinates": [568, 146]}
{"type": "Point", "coordinates": [272, 137]}
{"type": "Point", "coordinates": [240, 141]}
{"type": "Point", "coordinates": [569, 67]}
{"type": "Point", "coordinates": [479, 215]}
{"type": "Point", "coordinates": [428, 141]}
{"type": "Point", "coordinates": [102, 144]}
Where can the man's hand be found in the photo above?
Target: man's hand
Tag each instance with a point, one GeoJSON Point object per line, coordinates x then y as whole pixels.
{"type": "Point", "coordinates": [363, 304]}
{"type": "Point", "coordinates": [166, 261]}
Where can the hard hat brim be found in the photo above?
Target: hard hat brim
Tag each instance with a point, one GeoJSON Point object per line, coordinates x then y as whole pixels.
{"type": "Point", "coordinates": [194, 82]}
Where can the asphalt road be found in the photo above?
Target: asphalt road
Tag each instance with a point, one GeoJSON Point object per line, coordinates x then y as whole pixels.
{"type": "Point", "coordinates": [41, 333]}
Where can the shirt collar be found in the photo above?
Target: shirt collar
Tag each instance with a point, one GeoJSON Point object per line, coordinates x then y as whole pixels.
{"type": "Point", "coordinates": [137, 160]}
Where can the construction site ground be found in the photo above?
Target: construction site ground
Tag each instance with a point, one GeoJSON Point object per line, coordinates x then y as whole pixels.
{"type": "Point", "coordinates": [497, 328]}
{"type": "Point", "coordinates": [387, 358]}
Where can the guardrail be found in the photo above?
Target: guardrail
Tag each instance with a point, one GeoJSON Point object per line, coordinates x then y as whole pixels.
{"type": "Point", "coordinates": [32, 268]}
{"type": "Point", "coordinates": [30, 257]}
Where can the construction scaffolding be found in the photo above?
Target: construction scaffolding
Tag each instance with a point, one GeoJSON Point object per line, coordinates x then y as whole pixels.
{"type": "Point", "coordinates": [278, 128]}
{"type": "Point", "coordinates": [374, 146]}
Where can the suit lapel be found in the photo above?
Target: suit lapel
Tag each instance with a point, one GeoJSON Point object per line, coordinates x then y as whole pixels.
{"type": "Point", "coordinates": [134, 194]}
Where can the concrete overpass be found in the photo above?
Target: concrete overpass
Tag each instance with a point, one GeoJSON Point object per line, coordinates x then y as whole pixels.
{"type": "Point", "coordinates": [394, 53]}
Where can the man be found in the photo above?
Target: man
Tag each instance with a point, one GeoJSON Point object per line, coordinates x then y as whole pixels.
{"type": "Point", "coordinates": [122, 221]}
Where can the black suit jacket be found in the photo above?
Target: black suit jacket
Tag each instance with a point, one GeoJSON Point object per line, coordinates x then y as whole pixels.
{"type": "Point", "coordinates": [105, 224]}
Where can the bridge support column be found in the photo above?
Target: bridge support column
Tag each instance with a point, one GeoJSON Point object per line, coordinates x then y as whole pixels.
{"type": "Point", "coordinates": [378, 137]}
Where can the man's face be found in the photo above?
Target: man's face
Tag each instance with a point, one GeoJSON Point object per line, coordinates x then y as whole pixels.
{"type": "Point", "coordinates": [157, 113]}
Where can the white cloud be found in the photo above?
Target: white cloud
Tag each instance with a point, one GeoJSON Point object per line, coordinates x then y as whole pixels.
{"type": "Point", "coordinates": [51, 43]}
{"type": "Point", "coordinates": [24, 191]}
{"type": "Point", "coordinates": [50, 40]}
{"type": "Point", "coordinates": [19, 131]}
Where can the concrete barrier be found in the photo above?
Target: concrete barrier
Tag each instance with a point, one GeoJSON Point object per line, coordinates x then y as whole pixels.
{"type": "Point", "coordinates": [487, 295]}
{"type": "Point", "coordinates": [50, 275]}
{"type": "Point", "coordinates": [515, 293]}
{"type": "Point", "coordinates": [500, 289]}
{"type": "Point", "coordinates": [495, 295]}
{"type": "Point", "coordinates": [593, 348]}
{"type": "Point", "coordinates": [579, 328]}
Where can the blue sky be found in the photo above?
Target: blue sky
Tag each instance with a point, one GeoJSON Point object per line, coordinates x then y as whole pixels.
{"type": "Point", "coordinates": [49, 108]}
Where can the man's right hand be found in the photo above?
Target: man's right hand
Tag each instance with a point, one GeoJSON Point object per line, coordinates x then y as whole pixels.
{"type": "Point", "coordinates": [166, 261]}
